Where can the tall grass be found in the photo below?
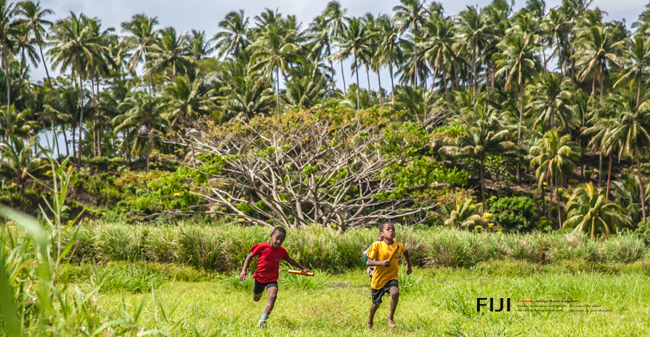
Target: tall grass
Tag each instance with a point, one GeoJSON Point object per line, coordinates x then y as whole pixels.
{"type": "Point", "coordinates": [224, 248]}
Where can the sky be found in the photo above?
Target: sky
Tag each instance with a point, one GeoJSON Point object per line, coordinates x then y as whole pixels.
{"type": "Point", "coordinates": [205, 15]}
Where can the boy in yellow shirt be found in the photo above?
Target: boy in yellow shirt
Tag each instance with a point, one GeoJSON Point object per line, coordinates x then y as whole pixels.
{"type": "Point", "coordinates": [384, 278]}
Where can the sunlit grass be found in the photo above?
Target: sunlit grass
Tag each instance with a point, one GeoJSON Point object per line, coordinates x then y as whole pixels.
{"type": "Point", "coordinates": [434, 302]}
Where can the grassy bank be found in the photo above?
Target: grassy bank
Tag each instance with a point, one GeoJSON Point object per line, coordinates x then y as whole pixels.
{"type": "Point", "coordinates": [440, 302]}
{"type": "Point", "coordinates": [224, 248]}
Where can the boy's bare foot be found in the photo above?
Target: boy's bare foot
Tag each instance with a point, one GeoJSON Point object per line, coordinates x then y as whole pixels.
{"type": "Point", "coordinates": [369, 326]}
{"type": "Point", "coordinates": [391, 323]}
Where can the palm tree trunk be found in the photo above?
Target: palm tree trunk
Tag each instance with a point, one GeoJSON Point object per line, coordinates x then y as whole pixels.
{"type": "Point", "coordinates": [444, 79]}
{"type": "Point", "coordinates": [638, 174]}
{"type": "Point", "coordinates": [54, 140]}
{"type": "Point", "coordinates": [74, 143]}
{"type": "Point", "coordinates": [600, 82]}
{"type": "Point", "coordinates": [544, 57]}
{"type": "Point", "coordinates": [65, 139]}
{"type": "Point", "coordinates": [521, 117]}
{"type": "Point", "coordinates": [329, 53]}
{"type": "Point", "coordinates": [550, 196]}
{"type": "Point", "coordinates": [638, 90]}
{"type": "Point", "coordinates": [433, 80]}
{"type": "Point", "coordinates": [600, 167]}
{"type": "Point", "coordinates": [368, 77]}
{"type": "Point", "coordinates": [593, 84]}
{"type": "Point", "coordinates": [8, 83]}
{"type": "Point", "coordinates": [277, 88]}
{"type": "Point", "coordinates": [482, 186]}
{"type": "Point", "coordinates": [356, 71]}
{"type": "Point", "coordinates": [148, 153]}
{"type": "Point", "coordinates": [474, 73]}
{"type": "Point", "coordinates": [609, 176]}
{"type": "Point", "coordinates": [345, 90]}
{"type": "Point", "coordinates": [487, 91]}
{"type": "Point", "coordinates": [81, 117]}
{"type": "Point", "coordinates": [557, 200]}
{"type": "Point", "coordinates": [381, 96]}
{"type": "Point", "coordinates": [392, 84]}
{"type": "Point", "coordinates": [47, 73]}
{"type": "Point", "coordinates": [415, 75]}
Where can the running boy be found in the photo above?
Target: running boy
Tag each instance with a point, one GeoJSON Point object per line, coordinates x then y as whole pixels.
{"type": "Point", "coordinates": [268, 265]}
{"type": "Point", "coordinates": [384, 278]}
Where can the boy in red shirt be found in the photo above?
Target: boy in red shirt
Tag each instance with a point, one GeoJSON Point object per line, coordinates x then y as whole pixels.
{"type": "Point", "coordinates": [269, 254]}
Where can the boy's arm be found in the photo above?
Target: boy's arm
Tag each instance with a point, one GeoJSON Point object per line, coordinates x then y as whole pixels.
{"type": "Point", "coordinates": [247, 262]}
{"type": "Point", "coordinates": [408, 262]}
{"type": "Point", "coordinates": [372, 262]}
{"type": "Point", "coordinates": [296, 264]}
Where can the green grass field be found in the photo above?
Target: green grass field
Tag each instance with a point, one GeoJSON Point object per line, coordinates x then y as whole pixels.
{"type": "Point", "coordinates": [433, 302]}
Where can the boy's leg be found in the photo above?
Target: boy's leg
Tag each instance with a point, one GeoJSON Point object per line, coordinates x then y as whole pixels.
{"type": "Point", "coordinates": [258, 291]}
{"type": "Point", "coordinates": [272, 291]}
{"type": "Point", "coordinates": [394, 298]}
{"type": "Point", "coordinates": [376, 296]}
{"type": "Point", "coordinates": [371, 317]}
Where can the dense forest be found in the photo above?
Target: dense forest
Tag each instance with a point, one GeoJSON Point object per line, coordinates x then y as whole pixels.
{"type": "Point", "coordinates": [493, 120]}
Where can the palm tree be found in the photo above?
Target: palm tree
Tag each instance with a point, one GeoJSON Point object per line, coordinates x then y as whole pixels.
{"type": "Point", "coordinates": [8, 25]}
{"type": "Point", "coordinates": [588, 211]}
{"type": "Point", "coordinates": [21, 124]}
{"type": "Point", "coordinates": [171, 51]}
{"type": "Point", "coordinates": [234, 38]}
{"type": "Point", "coordinates": [243, 93]}
{"type": "Point", "coordinates": [143, 37]}
{"type": "Point", "coordinates": [438, 47]}
{"type": "Point", "coordinates": [335, 16]}
{"type": "Point", "coordinates": [558, 29]}
{"type": "Point", "coordinates": [20, 163]}
{"type": "Point", "coordinates": [462, 213]}
{"type": "Point", "coordinates": [198, 46]}
{"type": "Point", "coordinates": [354, 40]}
{"type": "Point", "coordinates": [474, 30]}
{"type": "Point", "coordinates": [411, 14]}
{"type": "Point", "coordinates": [643, 25]}
{"type": "Point", "coordinates": [637, 61]}
{"type": "Point", "coordinates": [554, 157]}
{"type": "Point", "coordinates": [24, 44]}
{"type": "Point", "coordinates": [549, 98]}
{"type": "Point", "coordinates": [185, 98]}
{"type": "Point", "coordinates": [596, 46]}
{"type": "Point", "coordinates": [140, 122]}
{"type": "Point", "coordinates": [631, 130]}
{"type": "Point", "coordinates": [271, 53]}
{"type": "Point", "coordinates": [484, 136]}
{"type": "Point", "coordinates": [75, 46]}
{"type": "Point", "coordinates": [517, 61]}
{"type": "Point", "coordinates": [307, 87]}
{"type": "Point", "coordinates": [319, 33]}
{"type": "Point", "coordinates": [388, 51]}
{"type": "Point", "coordinates": [34, 17]}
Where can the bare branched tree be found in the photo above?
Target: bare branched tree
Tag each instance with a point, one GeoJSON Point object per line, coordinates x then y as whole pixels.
{"type": "Point", "coordinates": [299, 169]}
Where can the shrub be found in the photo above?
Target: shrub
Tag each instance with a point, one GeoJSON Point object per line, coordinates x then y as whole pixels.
{"type": "Point", "coordinates": [515, 213]}
{"type": "Point", "coordinates": [643, 232]}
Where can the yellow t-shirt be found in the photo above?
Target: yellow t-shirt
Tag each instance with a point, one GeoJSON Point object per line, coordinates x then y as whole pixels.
{"type": "Point", "coordinates": [380, 251]}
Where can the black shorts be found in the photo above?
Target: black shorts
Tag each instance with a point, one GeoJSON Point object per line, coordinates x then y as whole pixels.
{"type": "Point", "coordinates": [259, 286]}
{"type": "Point", "coordinates": [377, 294]}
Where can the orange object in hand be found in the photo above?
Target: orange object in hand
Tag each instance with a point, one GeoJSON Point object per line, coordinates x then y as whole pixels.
{"type": "Point", "coordinates": [300, 272]}
{"type": "Point", "coordinates": [393, 253]}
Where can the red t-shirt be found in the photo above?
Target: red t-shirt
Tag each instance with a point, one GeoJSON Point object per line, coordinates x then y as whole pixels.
{"type": "Point", "coordinates": [268, 261]}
